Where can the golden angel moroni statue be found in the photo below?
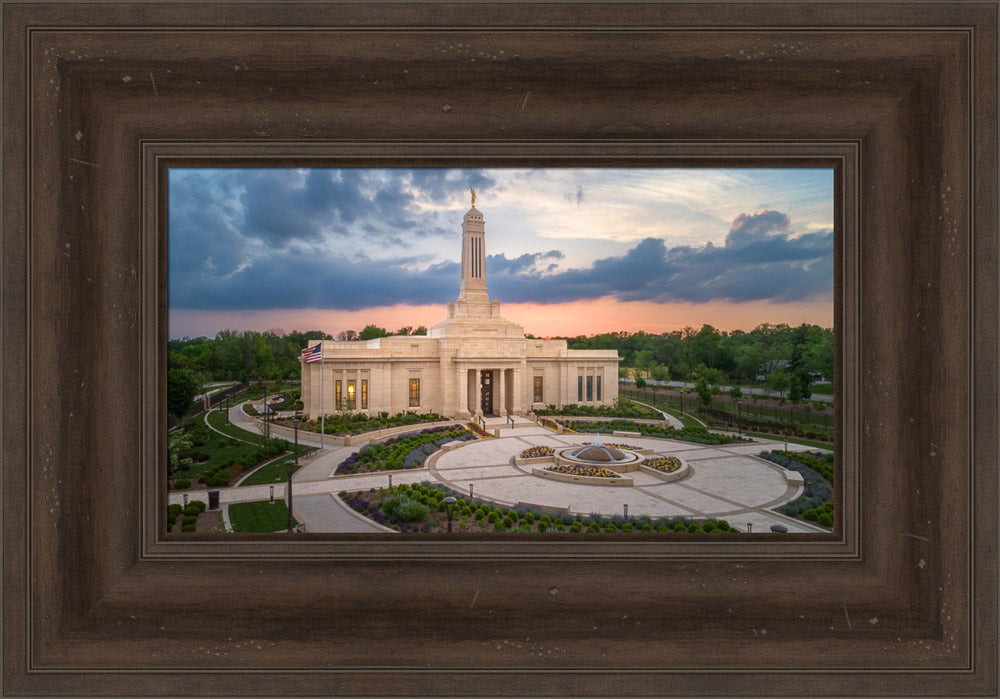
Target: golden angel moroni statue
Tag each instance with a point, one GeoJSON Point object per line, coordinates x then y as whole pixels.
{"type": "Point", "coordinates": [473, 195]}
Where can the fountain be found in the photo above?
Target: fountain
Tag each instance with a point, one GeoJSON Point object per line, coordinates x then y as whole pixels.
{"type": "Point", "coordinates": [597, 453]}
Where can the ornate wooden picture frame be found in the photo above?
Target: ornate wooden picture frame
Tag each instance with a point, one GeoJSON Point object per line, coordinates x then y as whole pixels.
{"type": "Point", "coordinates": [99, 99]}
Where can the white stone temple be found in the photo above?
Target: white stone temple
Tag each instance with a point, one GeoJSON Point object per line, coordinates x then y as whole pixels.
{"type": "Point", "coordinates": [474, 362]}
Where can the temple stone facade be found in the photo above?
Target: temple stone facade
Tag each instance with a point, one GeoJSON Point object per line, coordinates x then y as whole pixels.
{"type": "Point", "coordinates": [474, 362]}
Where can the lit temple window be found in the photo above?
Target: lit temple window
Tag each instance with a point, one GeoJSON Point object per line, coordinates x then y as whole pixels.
{"type": "Point", "coordinates": [414, 393]}
{"type": "Point", "coordinates": [364, 393]}
{"type": "Point", "coordinates": [538, 389]}
{"type": "Point", "coordinates": [338, 397]}
{"type": "Point", "coordinates": [351, 398]}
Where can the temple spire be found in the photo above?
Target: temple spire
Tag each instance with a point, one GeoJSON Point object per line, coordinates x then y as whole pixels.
{"type": "Point", "coordinates": [472, 286]}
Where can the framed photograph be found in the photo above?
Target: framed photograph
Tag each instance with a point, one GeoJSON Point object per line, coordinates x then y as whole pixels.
{"type": "Point", "coordinates": [421, 346]}
{"type": "Point", "coordinates": [102, 102]}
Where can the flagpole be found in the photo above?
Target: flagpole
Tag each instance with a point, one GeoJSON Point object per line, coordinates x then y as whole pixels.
{"type": "Point", "coordinates": [322, 401]}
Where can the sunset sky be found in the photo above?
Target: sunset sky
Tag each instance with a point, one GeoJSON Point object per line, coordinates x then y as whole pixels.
{"type": "Point", "coordinates": [569, 251]}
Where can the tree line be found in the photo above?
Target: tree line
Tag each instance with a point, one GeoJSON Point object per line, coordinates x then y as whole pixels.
{"type": "Point", "coordinates": [738, 356]}
{"type": "Point", "coordinates": [787, 356]}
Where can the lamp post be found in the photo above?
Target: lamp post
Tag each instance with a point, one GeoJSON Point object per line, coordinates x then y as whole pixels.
{"type": "Point", "coordinates": [626, 510]}
{"type": "Point", "coordinates": [749, 527]}
{"type": "Point", "coordinates": [390, 480]}
{"type": "Point", "coordinates": [450, 502]}
{"type": "Point", "coordinates": [272, 494]}
{"type": "Point", "coordinates": [295, 425]}
{"type": "Point", "coordinates": [288, 467]}
{"type": "Point", "coordinates": [470, 490]}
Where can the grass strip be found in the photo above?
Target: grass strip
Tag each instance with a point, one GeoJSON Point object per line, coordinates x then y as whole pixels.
{"type": "Point", "coordinates": [217, 419]}
{"type": "Point", "coordinates": [791, 440]}
{"type": "Point", "coordinates": [261, 516]}
{"type": "Point", "coordinates": [273, 471]}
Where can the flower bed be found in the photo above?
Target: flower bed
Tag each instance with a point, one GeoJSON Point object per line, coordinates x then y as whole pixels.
{"type": "Point", "coordinates": [553, 425]}
{"type": "Point", "coordinates": [478, 516]}
{"type": "Point", "coordinates": [587, 471]}
{"type": "Point", "coordinates": [698, 435]}
{"type": "Point", "coordinates": [618, 445]}
{"type": "Point", "coordinates": [667, 464]}
{"type": "Point", "coordinates": [406, 451]}
{"type": "Point", "coordinates": [537, 452]}
{"type": "Point", "coordinates": [477, 430]}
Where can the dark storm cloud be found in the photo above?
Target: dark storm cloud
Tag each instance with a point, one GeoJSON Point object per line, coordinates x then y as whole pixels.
{"type": "Point", "coordinates": [219, 221]}
{"type": "Point", "coordinates": [213, 266]}
{"type": "Point", "coordinates": [760, 260]}
{"type": "Point", "coordinates": [279, 206]}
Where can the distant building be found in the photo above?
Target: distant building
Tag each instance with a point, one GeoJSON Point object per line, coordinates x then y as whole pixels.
{"type": "Point", "coordinates": [474, 362]}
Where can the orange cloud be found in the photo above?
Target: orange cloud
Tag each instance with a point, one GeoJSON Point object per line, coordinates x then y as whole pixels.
{"type": "Point", "coordinates": [541, 320]}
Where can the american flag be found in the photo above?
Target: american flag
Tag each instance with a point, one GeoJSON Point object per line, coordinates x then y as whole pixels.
{"type": "Point", "coordinates": [313, 354]}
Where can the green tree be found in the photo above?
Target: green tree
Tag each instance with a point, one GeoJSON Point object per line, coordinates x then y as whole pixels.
{"type": "Point", "coordinates": [703, 388]}
{"type": "Point", "coordinates": [778, 381]}
{"type": "Point", "coordinates": [420, 330]}
{"type": "Point", "coordinates": [643, 360]}
{"type": "Point", "coordinates": [660, 373]}
{"type": "Point", "coordinates": [371, 331]}
{"type": "Point", "coordinates": [182, 387]}
{"type": "Point", "coordinates": [794, 388]}
{"type": "Point", "coordinates": [177, 443]}
{"type": "Point", "coordinates": [735, 392]}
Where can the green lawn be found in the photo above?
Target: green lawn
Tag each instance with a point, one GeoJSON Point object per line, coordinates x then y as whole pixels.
{"type": "Point", "coordinates": [790, 440]}
{"type": "Point", "coordinates": [217, 448]}
{"type": "Point", "coordinates": [686, 419]}
{"type": "Point", "coordinates": [266, 473]}
{"type": "Point", "coordinates": [825, 388]}
{"type": "Point", "coordinates": [260, 516]}
{"type": "Point", "coordinates": [217, 419]}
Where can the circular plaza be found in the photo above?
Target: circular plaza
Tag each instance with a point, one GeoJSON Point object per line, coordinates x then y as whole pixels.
{"type": "Point", "coordinates": [722, 482]}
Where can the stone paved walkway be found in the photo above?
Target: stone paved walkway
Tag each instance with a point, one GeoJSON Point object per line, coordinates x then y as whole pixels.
{"type": "Point", "coordinates": [727, 482]}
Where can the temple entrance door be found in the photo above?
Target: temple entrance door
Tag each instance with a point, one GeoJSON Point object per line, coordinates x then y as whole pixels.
{"type": "Point", "coordinates": [486, 386]}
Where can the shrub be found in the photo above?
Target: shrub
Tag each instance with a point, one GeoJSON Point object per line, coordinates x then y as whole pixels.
{"type": "Point", "coordinates": [610, 527]}
{"type": "Point", "coordinates": [593, 527]}
{"type": "Point", "coordinates": [811, 514]}
{"type": "Point", "coordinates": [826, 519]}
{"type": "Point", "coordinates": [647, 527]}
{"type": "Point", "coordinates": [709, 526]}
{"type": "Point", "coordinates": [576, 527]}
{"type": "Point", "coordinates": [404, 508]}
{"type": "Point", "coordinates": [188, 528]}
{"type": "Point", "coordinates": [679, 527]}
{"type": "Point", "coordinates": [628, 528]}
{"type": "Point", "coordinates": [528, 518]}
{"type": "Point", "coordinates": [189, 519]}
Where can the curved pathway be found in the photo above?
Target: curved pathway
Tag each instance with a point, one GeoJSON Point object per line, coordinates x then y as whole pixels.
{"type": "Point", "coordinates": [727, 482]}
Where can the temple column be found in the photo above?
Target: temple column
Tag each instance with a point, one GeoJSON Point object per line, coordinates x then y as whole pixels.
{"type": "Point", "coordinates": [477, 380]}
{"type": "Point", "coordinates": [501, 389]}
{"type": "Point", "coordinates": [462, 392]}
{"type": "Point", "coordinates": [517, 399]}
